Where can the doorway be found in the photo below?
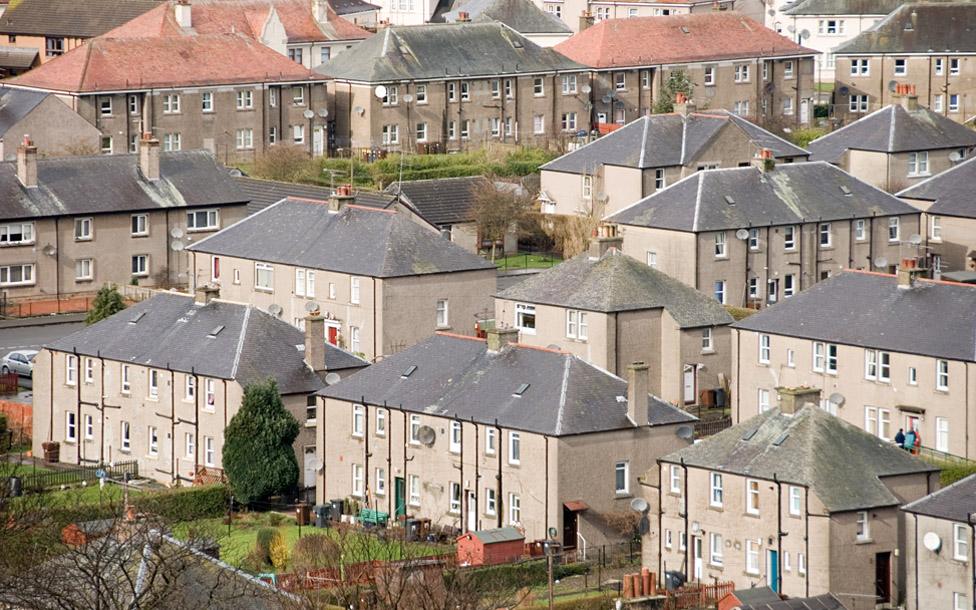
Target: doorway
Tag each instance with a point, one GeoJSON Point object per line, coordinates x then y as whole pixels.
{"type": "Point", "coordinates": [332, 333]}
{"type": "Point", "coordinates": [804, 112]}
{"type": "Point", "coordinates": [772, 570]}
{"type": "Point", "coordinates": [696, 554]}
{"type": "Point", "coordinates": [689, 382]}
{"type": "Point", "coordinates": [318, 142]}
{"type": "Point", "coordinates": [309, 455]}
{"type": "Point", "coordinates": [399, 497]}
{"type": "Point", "coordinates": [882, 577]}
{"type": "Point", "coordinates": [472, 512]}
{"type": "Point", "coordinates": [570, 528]}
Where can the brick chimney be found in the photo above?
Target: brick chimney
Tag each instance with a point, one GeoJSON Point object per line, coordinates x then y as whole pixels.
{"type": "Point", "coordinates": [605, 239]}
{"type": "Point", "coordinates": [764, 161]}
{"type": "Point", "coordinates": [149, 157]}
{"type": "Point", "coordinates": [183, 13]}
{"type": "Point", "coordinates": [500, 337]}
{"type": "Point", "coordinates": [907, 97]}
{"type": "Point", "coordinates": [315, 343]}
{"type": "Point", "coordinates": [908, 273]}
{"type": "Point", "coordinates": [341, 196]}
{"type": "Point", "coordinates": [205, 294]}
{"type": "Point", "coordinates": [464, 17]}
{"type": "Point", "coordinates": [682, 105]}
{"type": "Point", "coordinates": [585, 20]}
{"type": "Point", "coordinates": [791, 400]}
{"type": "Point", "coordinates": [638, 386]}
{"type": "Point", "coordinates": [27, 163]}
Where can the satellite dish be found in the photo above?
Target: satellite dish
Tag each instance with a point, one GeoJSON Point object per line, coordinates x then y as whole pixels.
{"type": "Point", "coordinates": [915, 239]}
{"type": "Point", "coordinates": [323, 112]}
{"type": "Point", "coordinates": [176, 232]}
{"type": "Point", "coordinates": [685, 432]}
{"type": "Point", "coordinates": [312, 307]}
{"type": "Point", "coordinates": [932, 541]}
{"type": "Point", "coordinates": [791, 28]}
{"type": "Point", "coordinates": [804, 34]}
{"type": "Point", "coordinates": [379, 91]}
{"type": "Point", "coordinates": [408, 98]}
{"type": "Point", "coordinates": [639, 505]}
{"type": "Point", "coordinates": [844, 90]}
{"type": "Point", "coordinates": [881, 262]}
{"type": "Point", "coordinates": [308, 114]}
{"type": "Point", "coordinates": [359, 110]}
{"type": "Point", "coordinates": [606, 99]}
{"type": "Point", "coordinates": [332, 379]}
{"type": "Point", "coordinates": [235, 173]}
{"type": "Point", "coordinates": [742, 234]}
{"type": "Point", "coordinates": [275, 309]}
{"type": "Point", "coordinates": [837, 398]}
{"type": "Point", "coordinates": [177, 246]}
{"type": "Point", "coordinates": [955, 156]}
{"type": "Point", "coordinates": [426, 435]}
{"type": "Point", "coordinates": [892, 85]}
{"type": "Point", "coordinates": [49, 250]}
{"type": "Point", "coordinates": [586, 88]}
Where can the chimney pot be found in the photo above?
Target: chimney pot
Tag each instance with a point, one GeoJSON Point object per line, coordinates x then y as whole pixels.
{"type": "Point", "coordinates": [149, 157]}
{"type": "Point", "coordinates": [27, 163]}
{"type": "Point", "coordinates": [500, 337]}
{"type": "Point", "coordinates": [341, 196]}
{"type": "Point", "coordinates": [638, 387]}
{"type": "Point", "coordinates": [315, 343]}
{"type": "Point", "coordinates": [605, 238]}
{"type": "Point", "coordinates": [908, 273]}
{"type": "Point", "coordinates": [205, 294]}
{"type": "Point", "coordinates": [791, 400]}
{"type": "Point", "coordinates": [764, 161]}
{"type": "Point", "coordinates": [683, 105]}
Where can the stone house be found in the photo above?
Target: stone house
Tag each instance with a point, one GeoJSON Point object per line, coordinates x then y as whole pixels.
{"type": "Point", "coordinates": [49, 123]}
{"type": "Point", "coordinates": [382, 278]}
{"type": "Point", "coordinates": [473, 435]}
{"type": "Point", "coordinates": [610, 309]}
{"type": "Point", "coordinates": [158, 382]}
{"type": "Point", "coordinates": [650, 153]}
{"type": "Point", "coordinates": [793, 498]}
{"type": "Point", "coordinates": [751, 236]}
{"type": "Point", "coordinates": [731, 61]}
{"type": "Point", "coordinates": [870, 343]}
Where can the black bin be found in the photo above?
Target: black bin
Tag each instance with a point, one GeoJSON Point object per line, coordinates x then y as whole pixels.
{"type": "Point", "coordinates": [323, 514]}
{"type": "Point", "coordinates": [412, 527]}
{"type": "Point", "coordinates": [337, 506]}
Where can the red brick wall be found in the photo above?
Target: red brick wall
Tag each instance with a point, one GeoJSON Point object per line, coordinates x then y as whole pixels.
{"type": "Point", "coordinates": [19, 417]}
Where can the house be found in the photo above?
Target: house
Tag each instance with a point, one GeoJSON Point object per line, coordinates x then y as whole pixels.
{"type": "Point", "coordinates": [897, 146]}
{"type": "Point", "coordinates": [473, 434]}
{"type": "Point", "coordinates": [383, 280]}
{"type": "Point", "coordinates": [263, 193]}
{"type": "Point", "coordinates": [224, 92]}
{"type": "Point", "coordinates": [609, 309]}
{"type": "Point", "coordinates": [949, 216]}
{"type": "Point", "coordinates": [524, 16]}
{"type": "Point", "coordinates": [158, 382]}
{"type": "Point", "coordinates": [751, 236]}
{"type": "Point", "coordinates": [73, 224]}
{"type": "Point", "coordinates": [752, 595]}
{"type": "Point", "coordinates": [580, 14]}
{"type": "Point", "coordinates": [794, 498]}
{"type": "Point", "coordinates": [51, 28]}
{"type": "Point", "coordinates": [446, 87]}
{"type": "Point", "coordinates": [929, 46]}
{"type": "Point", "coordinates": [823, 25]}
{"type": "Point", "coordinates": [450, 204]}
{"type": "Point", "coordinates": [939, 547]}
{"type": "Point", "coordinates": [731, 61]}
{"type": "Point", "coordinates": [868, 342]}
{"type": "Point", "coordinates": [650, 153]}
{"type": "Point", "coordinates": [49, 123]}
{"type": "Point", "coordinates": [490, 547]}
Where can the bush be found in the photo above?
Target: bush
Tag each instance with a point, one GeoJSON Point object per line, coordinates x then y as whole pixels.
{"type": "Point", "coordinates": [184, 504]}
{"type": "Point", "coordinates": [952, 472]}
{"type": "Point", "coordinates": [803, 137]}
{"type": "Point", "coordinates": [525, 574]}
{"type": "Point", "coordinates": [278, 550]}
{"type": "Point", "coordinates": [314, 552]}
{"type": "Point", "coordinates": [262, 545]}
{"type": "Point", "coordinates": [108, 301]}
{"type": "Point", "coordinates": [276, 519]}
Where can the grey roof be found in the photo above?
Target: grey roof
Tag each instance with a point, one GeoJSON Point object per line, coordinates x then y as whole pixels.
{"type": "Point", "coordinates": [349, 7]}
{"type": "Point", "coordinates": [499, 534]}
{"type": "Point", "coordinates": [523, 16]}
{"type": "Point", "coordinates": [963, 276]}
{"type": "Point", "coordinates": [458, 377]}
{"type": "Point", "coordinates": [842, 7]}
{"type": "Point", "coordinates": [70, 18]}
{"type": "Point", "coordinates": [755, 595]}
{"type": "Point", "coordinates": [951, 191]}
{"type": "Point", "coordinates": [263, 193]}
{"type": "Point", "coordinates": [113, 183]}
{"type": "Point", "coordinates": [440, 51]}
{"type": "Point", "coordinates": [792, 448]}
{"type": "Point", "coordinates": [617, 282]}
{"type": "Point", "coordinates": [926, 28]}
{"type": "Point", "coordinates": [17, 57]}
{"type": "Point", "coordinates": [827, 601]}
{"type": "Point", "coordinates": [447, 201]}
{"type": "Point", "coordinates": [171, 330]}
{"type": "Point", "coordinates": [954, 502]}
{"type": "Point", "coordinates": [15, 104]}
{"type": "Point", "coordinates": [893, 129]}
{"type": "Point", "coordinates": [792, 193]}
{"type": "Point", "coordinates": [665, 140]}
{"type": "Point", "coordinates": [870, 310]}
{"type": "Point", "coordinates": [356, 240]}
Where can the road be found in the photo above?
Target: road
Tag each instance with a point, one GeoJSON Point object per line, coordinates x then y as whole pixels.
{"type": "Point", "coordinates": [33, 337]}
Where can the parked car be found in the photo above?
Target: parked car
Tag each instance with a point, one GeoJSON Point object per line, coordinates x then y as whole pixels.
{"type": "Point", "coordinates": [20, 362]}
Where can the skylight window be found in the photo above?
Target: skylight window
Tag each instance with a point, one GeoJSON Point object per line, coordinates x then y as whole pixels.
{"type": "Point", "coordinates": [521, 389]}
{"type": "Point", "coordinates": [781, 439]}
{"type": "Point", "coordinates": [749, 434]}
{"type": "Point", "coordinates": [409, 371]}
{"type": "Point", "coordinates": [215, 331]}
{"type": "Point", "coordinates": [845, 190]}
{"type": "Point", "coordinates": [135, 319]}
{"type": "Point", "coordinates": [729, 200]}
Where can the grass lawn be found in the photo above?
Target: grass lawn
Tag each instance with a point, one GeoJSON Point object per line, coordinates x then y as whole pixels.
{"type": "Point", "coordinates": [76, 496]}
{"type": "Point", "coordinates": [540, 599]}
{"type": "Point", "coordinates": [9, 468]}
{"type": "Point", "coordinates": [524, 260]}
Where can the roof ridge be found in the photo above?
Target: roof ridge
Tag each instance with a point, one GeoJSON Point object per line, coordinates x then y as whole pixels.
{"type": "Point", "coordinates": [902, 192]}
{"type": "Point", "coordinates": [968, 479]}
{"type": "Point", "coordinates": [698, 200]}
{"type": "Point", "coordinates": [563, 392]}
{"type": "Point", "coordinates": [240, 342]}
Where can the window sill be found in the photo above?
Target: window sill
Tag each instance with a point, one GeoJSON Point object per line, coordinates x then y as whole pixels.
{"type": "Point", "coordinates": [864, 541]}
{"type": "Point", "coordinates": [707, 352]}
{"type": "Point", "coordinates": [751, 515]}
{"type": "Point", "coordinates": [137, 235]}
{"type": "Point", "coordinates": [152, 398]}
{"type": "Point", "coordinates": [718, 509]}
{"type": "Point", "coordinates": [81, 239]}
{"type": "Point", "coordinates": [310, 423]}
{"type": "Point", "coordinates": [69, 441]}
{"type": "Point", "coordinates": [14, 245]}
{"type": "Point", "coordinates": [126, 451]}
{"type": "Point", "coordinates": [622, 495]}
{"type": "Point", "coordinates": [151, 456]}
{"type": "Point", "coordinates": [264, 290]}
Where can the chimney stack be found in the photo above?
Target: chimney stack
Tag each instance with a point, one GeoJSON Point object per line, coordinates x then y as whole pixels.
{"type": "Point", "coordinates": [205, 294]}
{"type": "Point", "coordinates": [149, 157]}
{"type": "Point", "coordinates": [907, 97]}
{"type": "Point", "coordinates": [908, 273]}
{"type": "Point", "coordinates": [682, 105]}
{"type": "Point", "coordinates": [791, 400]}
{"type": "Point", "coordinates": [341, 196]}
{"type": "Point", "coordinates": [764, 161]}
{"type": "Point", "coordinates": [315, 343]}
{"type": "Point", "coordinates": [500, 337]}
{"type": "Point", "coordinates": [605, 239]}
{"type": "Point", "coordinates": [27, 163]}
{"type": "Point", "coordinates": [463, 17]}
{"type": "Point", "coordinates": [183, 12]}
{"type": "Point", "coordinates": [638, 387]}
{"type": "Point", "coordinates": [585, 20]}
{"type": "Point", "coordinates": [320, 10]}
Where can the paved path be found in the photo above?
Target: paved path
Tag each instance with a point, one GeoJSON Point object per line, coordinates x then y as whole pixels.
{"type": "Point", "coordinates": [34, 337]}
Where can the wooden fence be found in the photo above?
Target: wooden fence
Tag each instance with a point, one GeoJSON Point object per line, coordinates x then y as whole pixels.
{"type": "Point", "coordinates": [9, 383]}
{"type": "Point", "coordinates": [697, 595]}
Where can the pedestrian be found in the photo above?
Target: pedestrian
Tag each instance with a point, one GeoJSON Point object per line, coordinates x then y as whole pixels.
{"type": "Point", "coordinates": [917, 448]}
{"type": "Point", "coordinates": [909, 442]}
{"type": "Point", "coordinates": [900, 437]}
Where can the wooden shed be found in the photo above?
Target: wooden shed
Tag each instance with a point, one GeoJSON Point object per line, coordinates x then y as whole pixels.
{"type": "Point", "coordinates": [490, 547]}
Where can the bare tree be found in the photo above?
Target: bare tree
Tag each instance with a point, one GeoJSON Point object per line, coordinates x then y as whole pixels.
{"type": "Point", "coordinates": [499, 209]}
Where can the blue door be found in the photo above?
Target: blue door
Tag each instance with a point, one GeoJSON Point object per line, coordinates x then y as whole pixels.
{"type": "Point", "coordinates": [772, 571]}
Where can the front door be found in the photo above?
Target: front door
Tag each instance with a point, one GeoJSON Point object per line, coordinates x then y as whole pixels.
{"type": "Point", "coordinates": [399, 497]}
{"type": "Point", "coordinates": [318, 142]}
{"type": "Point", "coordinates": [689, 384]}
{"type": "Point", "coordinates": [772, 571]}
{"type": "Point", "coordinates": [804, 112]}
{"type": "Point", "coordinates": [472, 512]}
{"type": "Point", "coordinates": [333, 333]}
{"type": "Point", "coordinates": [570, 523]}
{"type": "Point", "coordinates": [696, 554]}
{"type": "Point", "coordinates": [882, 577]}
{"type": "Point", "coordinates": [309, 480]}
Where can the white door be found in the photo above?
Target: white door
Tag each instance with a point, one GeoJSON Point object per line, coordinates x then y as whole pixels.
{"type": "Point", "coordinates": [309, 479]}
{"type": "Point", "coordinates": [696, 548]}
{"type": "Point", "coordinates": [804, 111]}
{"type": "Point", "coordinates": [472, 512]}
{"type": "Point", "coordinates": [318, 141]}
{"type": "Point", "coordinates": [689, 383]}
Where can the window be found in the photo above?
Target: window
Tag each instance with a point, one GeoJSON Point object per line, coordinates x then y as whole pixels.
{"type": "Point", "coordinates": [106, 145]}
{"type": "Point", "coordinates": [764, 349]}
{"type": "Point", "coordinates": [651, 258]}
{"type": "Point", "coordinates": [83, 229]}
{"type": "Point", "coordinates": [455, 505]}
{"type": "Point", "coordinates": [16, 275]}
{"type": "Point", "coordinates": [18, 233]}
{"type": "Point", "coordinates": [451, 130]}
{"type": "Point", "coordinates": [298, 95]}
{"type": "Point", "coordinates": [153, 440]}
{"type": "Point", "coordinates": [935, 228]}
{"type": "Point", "coordinates": [569, 121]}
{"type": "Point", "coordinates": [942, 434]}
{"type": "Point", "coordinates": [391, 135]}
{"type": "Point", "coordinates": [937, 102]}
{"type": "Point", "coordinates": [954, 102]}
{"type": "Point", "coordinates": [414, 429]}
{"type": "Point", "coordinates": [790, 358]}
{"type": "Point", "coordinates": [496, 88]}
{"type": "Point", "coordinates": [789, 285]}
{"type": "Point", "coordinates": [788, 106]}
{"type": "Point", "coordinates": [830, 27]}
{"type": "Point", "coordinates": [715, 549]}
{"type": "Point", "coordinates": [826, 236]}
{"type": "Point", "coordinates": [245, 99]}
{"type": "Point", "coordinates": [668, 540]}
{"type": "Point", "coordinates": [105, 106]}
{"type": "Point", "coordinates": [172, 142]}
{"type": "Point", "coordinates": [465, 91]}
{"type": "Point", "coordinates": [380, 422]}
{"type": "Point", "coordinates": [587, 191]}
{"type": "Point", "coordinates": [954, 66]}
{"type": "Point", "coordinates": [901, 67]}
{"type": "Point", "coordinates": [877, 422]}
{"type": "Point", "coordinates": [358, 420]}
{"type": "Point", "coordinates": [659, 179]}
{"type": "Point", "coordinates": [709, 75]}
{"type": "Point", "coordinates": [70, 369]}
{"type": "Point", "coordinates": [332, 290]}
{"type": "Point", "coordinates": [620, 81]}
{"type": "Point", "coordinates": [569, 85]}
{"type": "Point", "coordinates": [272, 135]}
{"type": "Point", "coordinates": [514, 448]}
{"type": "Point", "coordinates": [392, 97]}
{"type": "Point", "coordinates": [716, 497]}
{"type": "Point", "coordinates": [741, 108]}
{"type": "Point", "coordinates": [795, 500]}
{"type": "Point", "coordinates": [801, 563]}
{"type": "Point", "coordinates": [720, 291]}
{"type": "Point", "coordinates": [354, 339]}
{"type": "Point", "coordinates": [752, 496]}
{"type": "Point", "coordinates": [126, 383]}
{"type": "Point", "coordinates": [139, 225]}
{"type": "Point", "coordinates": [89, 370]}
{"type": "Point", "coordinates": [884, 366]}
{"type": "Point", "coordinates": [860, 229]}
{"type": "Point", "coordinates": [298, 134]}
{"type": "Point", "coordinates": [577, 326]}
{"type": "Point", "coordinates": [171, 103]}
{"type": "Point", "coordinates": [295, 55]}
{"type": "Point", "coordinates": [742, 73]}
{"type": "Point", "coordinates": [939, 66]}
{"type": "Point", "coordinates": [153, 383]}
{"type": "Point", "coordinates": [789, 237]}
{"type": "Point", "coordinates": [538, 124]}
{"type": "Point", "coordinates": [421, 94]}
{"type": "Point", "coordinates": [860, 67]}
{"type": "Point", "coordinates": [455, 437]}
{"type": "Point", "coordinates": [263, 277]}
{"type": "Point", "coordinates": [509, 94]}
{"type": "Point", "coordinates": [354, 290]}
{"type": "Point", "coordinates": [491, 503]}
{"type": "Point", "coordinates": [706, 340]}
{"type": "Point", "coordinates": [203, 220]}
{"type": "Point", "coordinates": [753, 239]}
{"type": "Point", "coordinates": [786, 562]}
{"type": "Point", "coordinates": [380, 481]}
{"type": "Point", "coordinates": [421, 132]}
{"type": "Point", "coordinates": [244, 139]}
{"type": "Point", "coordinates": [621, 474]}
{"type": "Point", "coordinates": [819, 352]}
{"type": "Point", "coordinates": [858, 103]}
{"type": "Point", "coordinates": [675, 479]}
{"type": "Point", "coordinates": [870, 364]}
{"type": "Point", "coordinates": [126, 437]}
{"type": "Point", "coordinates": [960, 542]}
{"type": "Point", "coordinates": [763, 400]}
{"type": "Point", "coordinates": [787, 69]}
{"type": "Point", "coordinates": [452, 92]}
{"type": "Point", "coordinates": [645, 79]}
{"type": "Point", "coordinates": [53, 46]}
{"type": "Point", "coordinates": [525, 318]}
{"type": "Point", "coordinates": [514, 509]}
{"type": "Point", "coordinates": [538, 87]}
{"type": "Point", "coordinates": [210, 394]}
{"type": "Point", "coordinates": [721, 242]}
{"type": "Point", "coordinates": [89, 427]}
{"type": "Point", "coordinates": [358, 482]}
{"type": "Point", "coordinates": [831, 358]}
{"type": "Point", "coordinates": [490, 441]}
{"type": "Point", "coordinates": [918, 164]}
{"type": "Point", "coordinates": [863, 526]}
{"type": "Point", "coordinates": [496, 126]}
{"type": "Point", "coordinates": [753, 288]}
{"type": "Point", "coordinates": [752, 557]}
{"type": "Point", "coordinates": [959, 602]}
{"type": "Point", "coordinates": [84, 269]}
{"type": "Point", "coordinates": [414, 490]}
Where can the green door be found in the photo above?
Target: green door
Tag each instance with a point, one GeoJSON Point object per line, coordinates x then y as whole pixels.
{"type": "Point", "coordinates": [399, 497]}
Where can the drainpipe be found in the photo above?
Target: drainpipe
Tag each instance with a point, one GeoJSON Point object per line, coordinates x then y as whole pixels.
{"type": "Point", "coordinates": [685, 516]}
{"type": "Point", "coordinates": [389, 462]}
{"type": "Point", "coordinates": [806, 539]}
{"type": "Point", "coordinates": [461, 491]}
{"type": "Point", "coordinates": [173, 471]}
{"type": "Point", "coordinates": [871, 241]}
{"type": "Point", "coordinates": [799, 252]}
{"type": "Point", "coordinates": [477, 474]}
{"type": "Point", "coordinates": [79, 438]}
{"type": "Point", "coordinates": [498, 450]}
{"type": "Point", "coordinates": [375, 329]}
{"type": "Point", "coordinates": [779, 534]}
{"type": "Point", "coordinates": [366, 454]}
{"type": "Point", "coordinates": [57, 266]}
{"type": "Point", "coordinates": [972, 552]}
{"type": "Point", "coordinates": [660, 522]}
{"type": "Point", "coordinates": [546, 520]}
{"type": "Point", "coordinates": [196, 421]}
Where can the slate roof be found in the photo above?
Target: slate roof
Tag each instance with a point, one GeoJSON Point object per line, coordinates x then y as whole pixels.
{"type": "Point", "coordinates": [263, 193]}
{"type": "Point", "coordinates": [893, 129]}
{"type": "Point", "coordinates": [15, 104]}
{"type": "Point", "coordinates": [951, 191]}
{"type": "Point", "coordinates": [868, 309]}
{"type": "Point", "coordinates": [648, 41]}
{"type": "Point", "coordinates": [442, 201]}
{"type": "Point", "coordinates": [523, 16]}
{"type": "Point", "coordinates": [18, 58]}
{"type": "Point", "coordinates": [756, 595]}
{"type": "Point", "coordinates": [841, 7]}
{"type": "Point", "coordinates": [70, 18]}
{"type": "Point", "coordinates": [791, 193]}
{"type": "Point", "coordinates": [173, 331]}
{"type": "Point", "coordinates": [846, 477]}
{"type": "Point", "coordinates": [941, 28]}
{"type": "Point", "coordinates": [617, 282]}
{"type": "Point", "coordinates": [499, 534]}
{"type": "Point", "coordinates": [827, 601]}
{"type": "Point", "coordinates": [356, 240]}
{"type": "Point", "coordinates": [666, 140]}
{"type": "Point", "coordinates": [458, 377]}
{"type": "Point", "coordinates": [954, 502]}
{"type": "Point", "coordinates": [349, 7]}
{"type": "Point", "coordinates": [113, 183]}
{"type": "Point", "coordinates": [440, 51]}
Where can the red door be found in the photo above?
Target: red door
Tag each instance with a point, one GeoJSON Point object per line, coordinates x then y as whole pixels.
{"type": "Point", "coordinates": [333, 335]}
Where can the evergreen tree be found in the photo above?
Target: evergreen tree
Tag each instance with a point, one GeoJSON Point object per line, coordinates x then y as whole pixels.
{"type": "Point", "coordinates": [258, 457]}
{"type": "Point", "coordinates": [677, 82]}
{"type": "Point", "coordinates": [107, 302]}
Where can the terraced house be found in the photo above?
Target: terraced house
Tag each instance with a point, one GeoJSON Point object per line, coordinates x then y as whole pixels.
{"type": "Point", "coordinates": [731, 61]}
{"type": "Point", "coordinates": [448, 87]}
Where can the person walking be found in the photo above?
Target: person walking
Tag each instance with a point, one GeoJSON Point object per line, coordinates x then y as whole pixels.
{"type": "Point", "coordinates": [909, 442]}
{"type": "Point", "coordinates": [900, 437]}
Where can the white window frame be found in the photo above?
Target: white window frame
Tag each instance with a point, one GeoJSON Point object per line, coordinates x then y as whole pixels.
{"type": "Point", "coordinates": [765, 349]}
{"type": "Point", "coordinates": [380, 487]}
{"type": "Point", "coordinates": [942, 375]}
{"type": "Point", "coordinates": [514, 509]}
{"type": "Point", "coordinates": [491, 503]}
{"type": "Point", "coordinates": [454, 437]}
{"type": "Point", "coordinates": [707, 342]}
{"type": "Point", "coordinates": [675, 478]}
{"type": "Point", "coordinates": [621, 466]}
{"type": "Point", "coordinates": [721, 244]}
{"type": "Point", "coordinates": [354, 290]}
{"type": "Point", "coordinates": [752, 557]}
{"type": "Point", "coordinates": [942, 434]}
{"type": "Point", "coordinates": [715, 550]}
{"type": "Point", "coordinates": [153, 383]}
{"type": "Point", "coordinates": [454, 497]}
{"type": "Point", "coordinates": [380, 423]}
{"type": "Point", "coordinates": [189, 388]}
{"type": "Point", "coordinates": [263, 277]}
{"type": "Point", "coordinates": [70, 427]}
{"type": "Point", "coordinates": [522, 311]}
{"type": "Point", "coordinates": [960, 542]}
{"type": "Point", "coordinates": [414, 428]}
{"type": "Point", "coordinates": [358, 421]}
{"type": "Point", "coordinates": [413, 490]}
{"type": "Point", "coordinates": [125, 436]}
{"type": "Point", "coordinates": [206, 219]}
{"type": "Point", "coordinates": [514, 448]}
{"type": "Point", "coordinates": [716, 496]}
{"type": "Point", "coordinates": [358, 481]}
{"type": "Point", "coordinates": [862, 533]}
{"type": "Point", "coordinates": [795, 501]}
{"type": "Point", "coordinates": [152, 441]}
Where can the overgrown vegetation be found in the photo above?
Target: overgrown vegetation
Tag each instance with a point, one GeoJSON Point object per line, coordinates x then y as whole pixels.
{"type": "Point", "coordinates": [954, 471]}
{"type": "Point", "coordinates": [499, 210]}
{"type": "Point", "coordinates": [108, 301]}
{"type": "Point", "coordinates": [739, 313]}
{"type": "Point", "coordinates": [677, 82]}
{"type": "Point", "coordinates": [803, 137]}
{"type": "Point", "coordinates": [185, 504]}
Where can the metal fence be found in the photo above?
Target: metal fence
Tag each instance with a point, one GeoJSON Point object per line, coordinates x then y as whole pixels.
{"type": "Point", "coordinates": [10, 308]}
{"type": "Point", "coordinates": [37, 481]}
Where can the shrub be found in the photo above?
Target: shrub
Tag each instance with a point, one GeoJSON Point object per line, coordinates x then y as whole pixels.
{"type": "Point", "coordinates": [184, 504]}
{"type": "Point", "coordinates": [952, 472]}
{"type": "Point", "coordinates": [599, 602]}
{"type": "Point", "coordinates": [803, 137]}
{"type": "Point", "coordinates": [276, 519]}
{"type": "Point", "coordinates": [278, 550]}
{"type": "Point", "coordinates": [108, 301]}
{"type": "Point", "coordinates": [314, 552]}
{"type": "Point", "coordinates": [262, 545]}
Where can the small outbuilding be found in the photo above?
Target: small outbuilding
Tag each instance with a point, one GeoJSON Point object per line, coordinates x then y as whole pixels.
{"type": "Point", "coordinates": [742, 597]}
{"type": "Point", "coordinates": [490, 547]}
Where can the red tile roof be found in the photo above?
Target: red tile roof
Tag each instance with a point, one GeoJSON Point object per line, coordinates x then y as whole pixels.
{"type": "Point", "coordinates": [645, 41]}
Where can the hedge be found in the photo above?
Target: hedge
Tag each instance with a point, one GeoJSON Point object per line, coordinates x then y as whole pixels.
{"type": "Point", "coordinates": [526, 574]}
{"type": "Point", "coordinates": [185, 504]}
{"type": "Point", "coordinates": [600, 602]}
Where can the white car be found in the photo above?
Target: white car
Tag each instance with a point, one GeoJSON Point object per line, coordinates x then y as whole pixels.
{"type": "Point", "coordinates": [20, 362]}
